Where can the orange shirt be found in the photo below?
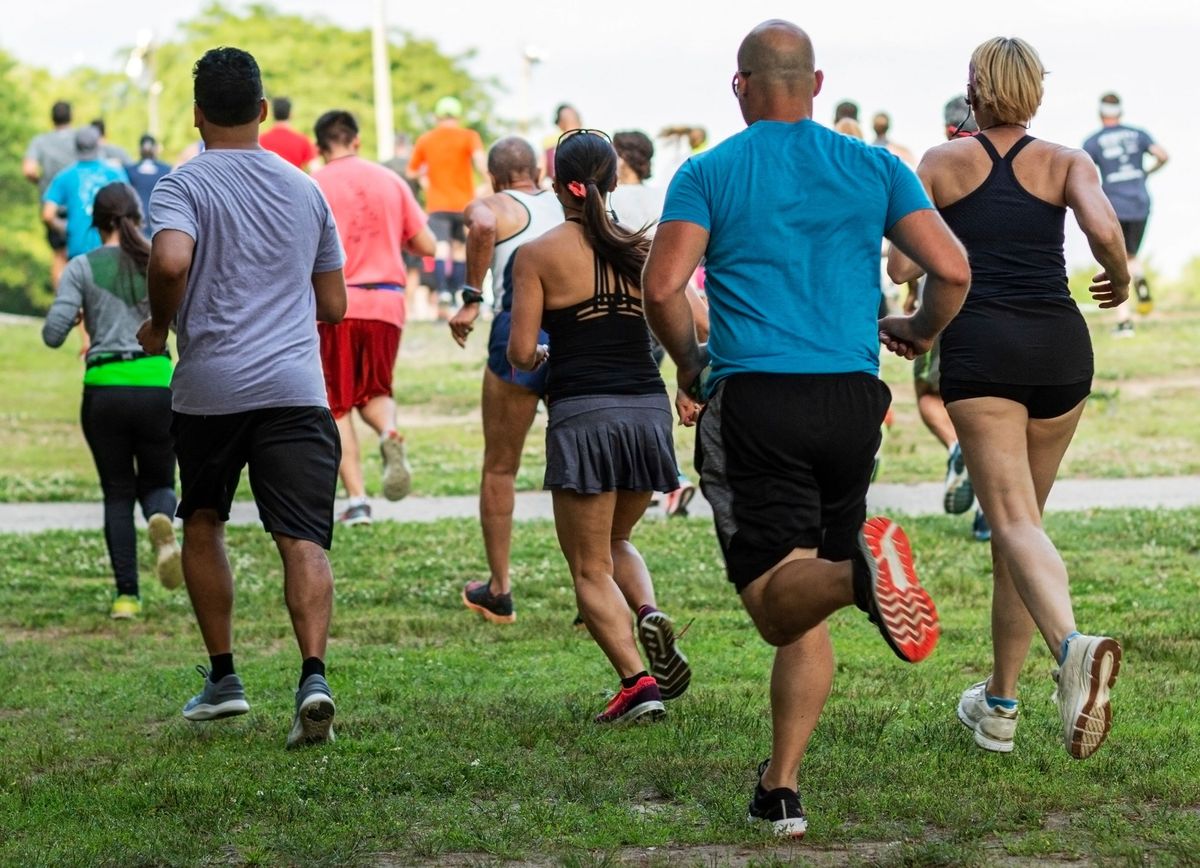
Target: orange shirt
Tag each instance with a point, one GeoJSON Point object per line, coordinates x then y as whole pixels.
{"type": "Point", "coordinates": [445, 152]}
{"type": "Point", "coordinates": [375, 212]}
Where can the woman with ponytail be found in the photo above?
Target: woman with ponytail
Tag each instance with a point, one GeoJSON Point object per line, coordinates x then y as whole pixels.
{"type": "Point", "coordinates": [608, 443]}
{"type": "Point", "coordinates": [126, 394]}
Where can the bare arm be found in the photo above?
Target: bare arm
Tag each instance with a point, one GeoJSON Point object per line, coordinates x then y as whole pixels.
{"type": "Point", "coordinates": [31, 169]}
{"type": "Point", "coordinates": [166, 281]}
{"type": "Point", "coordinates": [524, 351]}
{"type": "Point", "coordinates": [1160, 158]}
{"type": "Point", "coordinates": [479, 159]}
{"type": "Point", "coordinates": [330, 290]}
{"type": "Point", "coordinates": [480, 222]}
{"type": "Point", "coordinates": [677, 249]}
{"type": "Point", "coordinates": [423, 243]}
{"type": "Point", "coordinates": [50, 217]}
{"type": "Point", "coordinates": [699, 312]}
{"type": "Point", "coordinates": [1096, 218]}
{"type": "Point", "coordinates": [901, 268]}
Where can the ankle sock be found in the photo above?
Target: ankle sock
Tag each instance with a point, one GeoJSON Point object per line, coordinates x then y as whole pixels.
{"type": "Point", "coordinates": [220, 666]}
{"type": "Point", "coordinates": [643, 611]}
{"type": "Point", "coordinates": [361, 500]}
{"type": "Point", "coordinates": [627, 683]}
{"type": "Point", "coordinates": [1062, 652]}
{"type": "Point", "coordinates": [999, 701]}
{"type": "Point", "coordinates": [311, 666]}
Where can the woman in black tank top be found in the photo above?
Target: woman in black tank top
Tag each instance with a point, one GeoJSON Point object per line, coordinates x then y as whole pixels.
{"type": "Point", "coordinates": [1016, 372]}
{"type": "Point", "coordinates": [608, 442]}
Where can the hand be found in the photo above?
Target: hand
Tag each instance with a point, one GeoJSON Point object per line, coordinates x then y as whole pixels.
{"type": "Point", "coordinates": [463, 323]}
{"type": "Point", "coordinates": [153, 340]}
{"type": "Point", "coordinates": [540, 356]}
{"type": "Point", "coordinates": [687, 407]}
{"type": "Point", "coordinates": [897, 334]}
{"type": "Point", "coordinates": [1108, 292]}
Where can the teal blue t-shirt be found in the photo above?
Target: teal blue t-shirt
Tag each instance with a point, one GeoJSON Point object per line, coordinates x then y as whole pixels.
{"type": "Point", "coordinates": [796, 214]}
{"type": "Point", "coordinates": [75, 189]}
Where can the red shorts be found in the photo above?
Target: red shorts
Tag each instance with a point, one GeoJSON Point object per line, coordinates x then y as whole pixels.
{"type": "Point", "coordinates": [358, 356]}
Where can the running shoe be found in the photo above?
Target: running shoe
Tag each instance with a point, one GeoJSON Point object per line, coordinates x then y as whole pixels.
{"type": "Point", "coordinates": [675, 503]}
{"type": "Point", "coordinates": [642, 703]}
{"type": "Point", "coordinates": [397, 474]}
{"type": "Point", "coordinates": [1124, 329]}
{"type": "Point", "coordinates": [960, 494]}
{"type": "Point", "coordinates": [1145, 303]}
{"type": "Point", "coordinates": [993, 725]}
{"type": "Point", "coordinates": [497, 608]}
{"type": "Point", "coordinates": [168, 560]}
{"type": "Point", "coordinates": [980, 529]}
{"type": "Point", "coordinates": [667, 663]}
{"type": "Point", "coordinates": [224, 698]}
{"type": "Point", "coordinates": [1084, 680]}
{"type": "Point", "coordinates": [125, 607]}
{"type": "Point", "coordinates": [313, 721]}
{"type": "Point", "coordinates": [359, 513]}
{"type": "Point", "coordinates": [781, 808]}
{"type": "Point", "coordinates": [887, 589]}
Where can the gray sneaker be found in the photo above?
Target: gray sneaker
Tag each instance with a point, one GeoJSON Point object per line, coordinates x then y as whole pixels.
{"type": "Point", "coordinates": [313, 721]}
{"type": "Point", "coordinates": [397, 474]}
{"type": "Point", "coordinates": [224, 698]}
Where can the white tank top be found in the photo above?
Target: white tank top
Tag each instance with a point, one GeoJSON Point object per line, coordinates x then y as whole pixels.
{"type": "Point", "coordinates": [545, 212]}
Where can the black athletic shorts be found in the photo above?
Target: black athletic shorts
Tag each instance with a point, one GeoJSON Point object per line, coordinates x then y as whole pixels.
{"type": "Point", "coordinates": [57, 240]}
{"type": "Point", "coordinates": [785, 461]}
{"type": "Point", "coordinates": [448, 226]}
{"type": "Point", "coordinates": [1133, 230]}
{"type": "Point", "coordinates": [1042, 402]}
{"type": "Point", "coordinates": [293, 455]}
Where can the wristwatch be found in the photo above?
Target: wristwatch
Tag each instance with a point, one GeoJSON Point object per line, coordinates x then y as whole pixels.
{"type": "Point", "coordinates": [471, 295]}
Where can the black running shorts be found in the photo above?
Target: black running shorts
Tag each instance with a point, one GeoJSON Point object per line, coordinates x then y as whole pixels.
{"type": "Point", "coordinates": [293, 455]}
{"type": "Point", "coordinates": [1133, 230]}
{"type": "Point", "coordinates": [785, 461]}
{"type": "Point", "coordinates": [1041, 402]}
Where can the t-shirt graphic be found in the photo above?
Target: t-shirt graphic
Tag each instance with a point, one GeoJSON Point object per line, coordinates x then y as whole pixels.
{"type": "Point", "coordinates": [1119, 151]}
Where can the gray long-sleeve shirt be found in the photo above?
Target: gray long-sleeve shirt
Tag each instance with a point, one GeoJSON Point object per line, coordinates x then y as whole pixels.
{"type": "Point", "coordinates": [113, 300]}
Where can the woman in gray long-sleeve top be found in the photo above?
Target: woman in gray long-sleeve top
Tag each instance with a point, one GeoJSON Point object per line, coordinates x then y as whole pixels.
{"type": "Point", "coordinates": [126, 393]}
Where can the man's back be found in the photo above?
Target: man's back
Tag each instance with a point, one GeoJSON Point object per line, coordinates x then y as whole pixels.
{"type": "Point", "coordinates": [53, 151]}
{"type": "Point", "coordinates": [446, 153]}
{"type": "Point", "coordinates": [795, 213]}
{"type": "Point", "coordinates": [247, 325]}
{"type": "Point", "coordinates": [143, 175]}
{"type": "Point", "coordinates": [1118, 151]}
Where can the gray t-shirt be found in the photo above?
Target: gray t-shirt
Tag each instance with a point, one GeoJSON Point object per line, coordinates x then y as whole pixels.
{"type": "Point", "coordinates": [248, 323]}
{"type": "Point", "coordinates": [53, 151]}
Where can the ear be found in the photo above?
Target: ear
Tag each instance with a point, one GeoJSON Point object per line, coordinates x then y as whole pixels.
{"type": "Point", "coordinates": [818, 81]}
{"type": "Point", "coordinates": [355, 144]}
{"type": "Point", "coordinates": [197, 117]}
{"type": "Point", "coordinates": [262, 110]}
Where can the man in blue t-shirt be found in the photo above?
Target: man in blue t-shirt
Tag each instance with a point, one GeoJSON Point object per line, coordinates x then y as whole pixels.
{"type": "Point", "coordinates": [74, 189]}
{"type": "Point", "coordinates": [789, 217]}
{"type": "Point", "coordinates": [143, 175]}
{"type": "Point", "coordinates": [1119, 151]}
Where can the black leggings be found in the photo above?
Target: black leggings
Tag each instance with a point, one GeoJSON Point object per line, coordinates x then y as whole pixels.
{"type": "Point", "coordinates": [128, 431]}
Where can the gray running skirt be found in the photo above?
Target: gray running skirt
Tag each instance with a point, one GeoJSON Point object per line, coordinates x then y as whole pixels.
{"type": "Point", "coordinates": [598, 443]}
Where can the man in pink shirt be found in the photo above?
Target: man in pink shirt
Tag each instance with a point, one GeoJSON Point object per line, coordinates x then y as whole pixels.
{"type": "Point", "coordinates": [377, 217]}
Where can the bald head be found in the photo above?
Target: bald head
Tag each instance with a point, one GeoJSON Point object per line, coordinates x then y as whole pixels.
{"type": "Point", "coordinates": [778, 53]}
{"type": "Point", "coordinates": [510, 159]}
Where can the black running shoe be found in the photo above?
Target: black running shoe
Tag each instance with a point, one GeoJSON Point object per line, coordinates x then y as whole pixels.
{"type": "Point", "coordinates": [497, 608]}
{"type": "Point", "coordinates": [667, 663]}
{"type": "Point", "coordinates": [781, 808]}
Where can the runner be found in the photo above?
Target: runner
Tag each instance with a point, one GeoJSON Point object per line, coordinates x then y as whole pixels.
{"type": "Point", "coordinates": [1120, 153]}
{"type": "Point", "coordinates": [788, 489]}
{"type": "Point", "coordinates": [74, 189]}
{"type": "Point", "coordinates": [566, 118]}
{"type": "Point", "coordinates": [445, 159]}
{"type": "Point", "coordinates": [1016, 373]}
{"type": "Point", "coordinates": [377, 217]}
{"type": "Point", "coordinates": [126, 395]}
{"type": "Point", "coordinates": [287, 141]}
{"type": "Point", "coordinates": [112, 154]}
{"type": "Point", "coordinates": [144, 174]}
{"type": "Point", "coordinates": [882, 124]}
{"type": "Point", "coordinates": [47, 155]}
{"type": "Point", "coordinates": [608, 443]}
{"type": "Point", "coordinates": [246, 289]}
{"type": "Point", "coordinates": [517, 213]}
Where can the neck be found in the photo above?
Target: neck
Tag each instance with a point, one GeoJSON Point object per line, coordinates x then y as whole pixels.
{"type": "Point", "coordinates": [239, 138]}
{"type": "Point", "coordinates": [111, 239]}
{"type": "Point", "coordinates": [626, 175]}
{"type": "Point", "coordinates": [522, 185]}
{"type": "Point", "coordinates": [1110, 122]}
{"type": "Point", "coordinates": [338, 153]}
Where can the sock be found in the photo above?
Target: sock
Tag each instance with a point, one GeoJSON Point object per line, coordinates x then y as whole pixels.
{"type": "Point", "coordinates": [127, 588]}
{"type": "Point", "coordinates": [458, 276]}
{"type": "Point", "coordinates": [220, 666]}
{"type": "Point", "coordinates": [643, 611]}
{"type": "Point", "coordinates": [1062, 654]}
{"type": "Point", "coordinates": [439, 275]}
{"type": "Point", "coordinates": [999, 701]}
{"type": "Point", "coordinates": [311, 666]}
{"type": "Point", "coordinates": [361, 500]}
{"type": "Point", "coordinates": [626, 683]}
{"type": "Point", "coordinates": [390, 434]}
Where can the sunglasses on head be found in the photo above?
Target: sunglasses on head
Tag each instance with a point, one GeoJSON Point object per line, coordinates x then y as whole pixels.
{"type": "Point", "coordinates": [583, 131]}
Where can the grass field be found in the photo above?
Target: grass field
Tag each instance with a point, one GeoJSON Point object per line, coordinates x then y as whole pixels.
{"type": "Point", "coordinates": [464, 743]}
{"type": "Point", "coordinates": [1141, 422]}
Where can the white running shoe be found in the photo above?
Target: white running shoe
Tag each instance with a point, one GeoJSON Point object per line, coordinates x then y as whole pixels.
{"type": "Point", "coordinates": [168, 559]}
{"type": "Point", "coordinates": [397, 474]}
{"type": "Point", "coordinates": [1084, 680]}
{"type": "Point", "coordinates": [993, 725]}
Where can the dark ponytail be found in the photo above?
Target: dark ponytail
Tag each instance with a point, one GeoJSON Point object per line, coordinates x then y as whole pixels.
{"type": "Point", "coordinates": [589, 160]}
{"type": "Point", "coordinates": [117, 207]}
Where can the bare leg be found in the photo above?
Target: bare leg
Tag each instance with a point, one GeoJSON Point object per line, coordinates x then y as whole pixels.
{"type": "Point", "coordinates": [934, 415]}
{"type": "Point", "coordinates": [629, 570]}
{"type": "Point", "coordinates": [350, 469]}
{"type": "Point", "coordinates": [508, 412]}
{"type": "Point", "coordinates": [380, 414]}
{"type": "Point", "coordinates": [57, 263]}
{"type": "Point", "coordinates": [209, 579]}
{"type": "Point", "coordinates": [584, 526]}
{"type": "Point", "coordinates": [797, 595]}
{"type": "Point", "coordinates": [800, 683]}
{"type": "Point", "coordinates": [308, 589]}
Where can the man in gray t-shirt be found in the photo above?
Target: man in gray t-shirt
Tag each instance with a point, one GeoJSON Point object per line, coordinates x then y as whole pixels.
{"type": "Point", "coordinates": [47, 155]}
{"type": "Point", "coordinates": [245, 259]}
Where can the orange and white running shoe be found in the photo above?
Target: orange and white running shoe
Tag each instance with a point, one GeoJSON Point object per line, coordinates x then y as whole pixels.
{"type": "Point", "coordinates": [888, 590]}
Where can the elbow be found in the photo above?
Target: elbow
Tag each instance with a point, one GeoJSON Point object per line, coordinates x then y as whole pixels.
{"type": "Point", "coordinates": [332, 313]}
{"type": "Point", "coordinates": [53, 336]}
{"type": "Point", "coordinates": [514, 359]}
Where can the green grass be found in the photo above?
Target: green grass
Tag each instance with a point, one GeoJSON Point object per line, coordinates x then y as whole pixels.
{"type": "Point", "coordinates": [460, 740]}
{"type": "Point", "coordinates": [1142, 422]}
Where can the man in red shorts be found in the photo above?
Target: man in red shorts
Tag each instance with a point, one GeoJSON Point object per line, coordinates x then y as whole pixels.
{"type": "Point", "coordinates": [377, 217]}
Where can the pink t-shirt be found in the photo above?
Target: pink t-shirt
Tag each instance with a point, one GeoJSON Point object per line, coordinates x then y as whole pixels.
{"type": "Point", "coordinates": [376, 213]}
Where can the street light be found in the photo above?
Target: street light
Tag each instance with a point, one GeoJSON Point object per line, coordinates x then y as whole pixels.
{"type": "Point", "coordinates": [384, 120]}
{"type": "Point", "coordinates": [141, 71]}
{"type": "Point", "coordinates": [530, 58]}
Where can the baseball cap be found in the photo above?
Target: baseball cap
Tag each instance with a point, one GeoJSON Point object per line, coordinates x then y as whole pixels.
{"type": "Point", "coordinates": [87, 143]}
{"type": "Point", "coordinates": [957, 111]}
{"type": "Point", "coordinates": [448, 107]}
{"type": "Point", "coordinates": [1110, 105]}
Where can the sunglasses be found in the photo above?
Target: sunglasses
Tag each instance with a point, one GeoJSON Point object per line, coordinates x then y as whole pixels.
{"type": "Point", "coordinates": [744, 73]}
{"type": "Point", "coordinates": [583, 131]}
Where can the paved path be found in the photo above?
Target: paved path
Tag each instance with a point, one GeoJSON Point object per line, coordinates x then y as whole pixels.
{"type": "Point", "coordinates": [1171, 492]}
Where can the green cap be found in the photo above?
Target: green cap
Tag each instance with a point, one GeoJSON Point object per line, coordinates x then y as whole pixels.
{"type": "Point", "coordinates": [448, 107]}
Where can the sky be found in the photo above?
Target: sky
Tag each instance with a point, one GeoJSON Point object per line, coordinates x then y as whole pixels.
{"type": "Point", "coordinates": [665, 62]}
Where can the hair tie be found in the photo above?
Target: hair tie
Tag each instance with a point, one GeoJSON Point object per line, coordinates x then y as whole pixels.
{"type": "Point", "coordinates": [577, 190]}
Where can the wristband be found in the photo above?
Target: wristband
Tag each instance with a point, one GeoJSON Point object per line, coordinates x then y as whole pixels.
{"type": "Point", "coordinates": [471, 295]}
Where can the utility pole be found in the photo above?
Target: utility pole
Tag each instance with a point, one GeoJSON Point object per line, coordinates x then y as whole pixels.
{"type": "Point", "coordinates": [384, 121]}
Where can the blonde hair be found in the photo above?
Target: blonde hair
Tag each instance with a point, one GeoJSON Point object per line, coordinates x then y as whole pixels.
{"type": "Point", "coordinates": [849, 127]}
{"type": "Point", "coordinates": [1006, 75]}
